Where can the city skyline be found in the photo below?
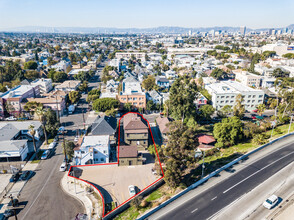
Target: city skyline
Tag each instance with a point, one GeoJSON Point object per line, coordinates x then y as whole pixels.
{"type": "Point", "coordinates": [132, 14]}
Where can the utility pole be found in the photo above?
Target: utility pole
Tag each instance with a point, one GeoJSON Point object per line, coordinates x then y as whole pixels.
{"type": "Point", "coordinates": [203, 165]}
{"type": "Point", "coordinates": [57, 112]}
{"type": "Point", "coordinates": [290, 124]}
{"type": "Point", "coordinates": [64, 151]}
{"type": "Point", "coordinates": [83, 120]}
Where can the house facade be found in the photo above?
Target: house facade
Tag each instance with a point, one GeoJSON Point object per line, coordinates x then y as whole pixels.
{"type": "Point", "coordinates": [135, 131]}
{"type": "Point", "coordinates": [93, 150]}
{"type": "Point", "coordinates": [129, 156]}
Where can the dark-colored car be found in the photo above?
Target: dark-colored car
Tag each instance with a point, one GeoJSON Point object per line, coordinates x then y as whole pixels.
{"type": "Point", "coordinates": [8, 213]}
{"type": "Point", "coordinates": [13, 203]}
{"type": "Point", "coordinates": [14, 177]}
{"type": "Point", "coordinates": [25, 175]}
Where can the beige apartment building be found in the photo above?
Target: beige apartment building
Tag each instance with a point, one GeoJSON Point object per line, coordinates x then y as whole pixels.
{"type": "Point", "coordinates": [248, 79]}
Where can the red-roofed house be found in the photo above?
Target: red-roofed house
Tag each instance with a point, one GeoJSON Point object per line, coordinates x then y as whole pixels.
{"type": "Point", "coordinates": [206, 142]}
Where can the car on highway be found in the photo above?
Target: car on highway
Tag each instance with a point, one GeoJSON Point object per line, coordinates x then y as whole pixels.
{"type": "Point", "coordinates": [270, 202]}
{"type": "Point", "coordinates": [62, 167]}
{"type": "Point", "coordinates": [14, 177]}
{"type": "Point", "coordinates": [25, 175]}
{"type": "Point", "coordinates": [132, 190]}
{"type": "Point", "coordinates": [45, 155]}
{"type": "Point", "coordinates": [52, 145]}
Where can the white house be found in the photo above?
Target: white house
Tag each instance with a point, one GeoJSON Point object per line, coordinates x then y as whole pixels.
{"type": "Point", "coordinates": [45, 85]}
{"type": "Point", "coordinates": [14, 149]}
{"type": "Point", "coordinates": [93, 150]}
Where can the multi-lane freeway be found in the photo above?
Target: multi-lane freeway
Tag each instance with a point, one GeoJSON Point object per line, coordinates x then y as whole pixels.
{"type": "Point", "coordinates": [212, 200]}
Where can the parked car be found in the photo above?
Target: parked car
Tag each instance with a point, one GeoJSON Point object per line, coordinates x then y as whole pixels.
{"type": "Point", "coordinates": [52, 145]}
{"type": "Point", "coordinates": [270, 202]}
{"type": "Point", "coordinates": [76, 139]}
{"type": "Point", "coordinates": [61, 130]}
{"type": "Point", "coordinates": [62, 167]}
{"type": "Point", "coordinates": [253, 117]}
{"type": "Point", "coordinates": [13, 203]}
{"type": "Point", "coordinates": [11, 118]}
{"type": "Point", "coordinates": [132, 190]}
{"type": "Point", "coordinates": [56, 138]}
{"type": "Point", "coordinates": [256, 110]}
{"type": "Point", "coordinates": [8, 213]}
{"type": "Point", "coordinates": [25, 175]}
{"type": "Point", "coordinates": [45, 154]}
{"type": "Point", "coordinates": [14, 177]}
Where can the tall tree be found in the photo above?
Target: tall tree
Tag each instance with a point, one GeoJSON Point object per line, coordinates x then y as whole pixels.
{"type": "Point", "coordinates": [74, 96]}
{"type": "Point", "coordinates": [179, 152]}
{"type": "Point", "coordinates": [181, 100]}
{"type": "Point", "coordinates": [33, 132]}
{"type": "Point", "coordinates": [149, 83]}
{"type": "Point", "coordinates": [239, 109]}
{"type": "Point", "coordinates": [40, 111]}
{"type": "Point", "coordinates": [228, 132]}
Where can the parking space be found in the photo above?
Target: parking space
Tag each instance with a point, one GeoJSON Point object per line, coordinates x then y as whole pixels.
{"type": "Point", "coordinates": [113, 180]}
{"type": "Point", "coordinates": [4, 180]}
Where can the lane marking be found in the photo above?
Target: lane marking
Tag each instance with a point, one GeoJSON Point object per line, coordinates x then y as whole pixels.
{"type": "Point", "coordinates": [194, 210]}
{"type": "Point", "coordinates": [257, 172]}
{"type": "Point", "coordinates": [49, 177]}
{"type": "Point", "coordinates": [213, 198]}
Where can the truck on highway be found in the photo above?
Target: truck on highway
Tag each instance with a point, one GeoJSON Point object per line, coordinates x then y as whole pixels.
{"type": "Point", "coordinates": [71, 109]}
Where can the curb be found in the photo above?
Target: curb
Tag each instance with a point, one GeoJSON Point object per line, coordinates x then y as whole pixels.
{"type": "Point", "coordinates": [75, 197]}
{"type": "Point", "coordinates": [199, 182]}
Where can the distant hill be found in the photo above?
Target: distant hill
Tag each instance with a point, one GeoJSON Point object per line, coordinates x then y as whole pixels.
{"type": "Point", "coordinates": [96, 30]}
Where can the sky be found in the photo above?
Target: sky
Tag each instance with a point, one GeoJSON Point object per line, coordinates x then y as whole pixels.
{"type": "Point", "coordinates": [146, 13]}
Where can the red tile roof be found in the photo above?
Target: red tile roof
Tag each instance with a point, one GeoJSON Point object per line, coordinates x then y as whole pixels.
{"type": "Point", "coordinates": [205, 139]}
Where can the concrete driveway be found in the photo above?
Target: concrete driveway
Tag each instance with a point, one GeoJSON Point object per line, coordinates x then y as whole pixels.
{"type": "Point", "coordinates": [113, 180]}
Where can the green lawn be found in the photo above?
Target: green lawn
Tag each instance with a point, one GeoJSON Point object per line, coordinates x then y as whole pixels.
{"type": "Point", "coordinates": [153, 196]}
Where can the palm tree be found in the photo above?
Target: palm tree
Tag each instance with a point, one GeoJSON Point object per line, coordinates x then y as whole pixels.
{"type": "Point", "coordinates": [33, 132]}
{"type": "Point", "coordinates": [40, 111]}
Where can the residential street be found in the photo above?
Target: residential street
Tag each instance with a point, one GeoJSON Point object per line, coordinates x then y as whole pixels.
{"type": "Point", "coordinates": [205, 204]}
{"type": "Point", "coordinates": [43, 192]}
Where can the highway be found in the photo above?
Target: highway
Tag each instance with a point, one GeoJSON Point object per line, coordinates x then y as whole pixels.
{"type": "Point", "coordinates": [209, 202]}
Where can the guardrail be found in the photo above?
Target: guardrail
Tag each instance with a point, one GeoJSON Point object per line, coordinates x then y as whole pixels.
{"type": "Point", "coordinates": [199, 182]}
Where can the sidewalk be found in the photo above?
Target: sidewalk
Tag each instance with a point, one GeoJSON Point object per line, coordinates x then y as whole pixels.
{"type": "Point", "coordinates": [77, 189]}
{"type": "Point", "coordinates": [17, 187]}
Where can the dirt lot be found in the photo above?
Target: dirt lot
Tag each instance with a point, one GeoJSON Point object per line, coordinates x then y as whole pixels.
{"type": "Point", "coordinates": [113, 180]}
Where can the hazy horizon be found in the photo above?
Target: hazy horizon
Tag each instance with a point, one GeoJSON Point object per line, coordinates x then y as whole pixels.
{"type": "Point", "coordinates": [137, 14]}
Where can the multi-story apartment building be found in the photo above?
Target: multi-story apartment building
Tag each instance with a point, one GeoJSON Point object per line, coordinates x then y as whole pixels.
{"type": "Point", "coordinates": [128, 56]}
{"type": "Point", "coordinates": [12, 99]}
{"type": "Point", "coordinates": [225, 93]}
{"type": "Point", "coordinates": [132, 93]}
{"type": "Point", "coordinates": [135, 131]}
{"type": "Point", "coordinates": [248, 79]}
{"type": "Point", "coordinates": [44, 84]}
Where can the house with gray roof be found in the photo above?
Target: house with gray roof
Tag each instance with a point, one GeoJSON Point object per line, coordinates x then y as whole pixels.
{"type": "Point", "coordinates": [105, 125]}
{"type": "Point", "coordinates": [16, 149]}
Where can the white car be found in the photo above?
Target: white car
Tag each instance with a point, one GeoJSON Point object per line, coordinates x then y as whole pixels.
{"type": "Point", "coordinates": [270, 202]}
{"type": "Point", "coordinates": [52, 145]}
{"type": "Point", "coordinates": [76, 139]}
{"type": "Point", "coordinates": [62, 167]}
{"type": "Point", "coordinates": [132, 190]}
{"type": "Point", "coordinates": [11, 118]}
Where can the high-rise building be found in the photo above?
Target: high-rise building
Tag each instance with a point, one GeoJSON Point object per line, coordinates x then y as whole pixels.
{"type": "Point", "coordinates": [243, 30]}
{"type": "Point", "coordinates": [271, 31]}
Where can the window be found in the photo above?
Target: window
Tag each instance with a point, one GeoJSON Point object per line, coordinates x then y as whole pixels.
{"type": "Point", "coordinates": [83, 152]}
{"type": "Point", "coordinates": [222, 97]}
{"type": "Point", "coordinates": [260, 96]}
{"type": "Point", "coordinates": [227, 97]}
{"type": "Point", "coordinates": [134, 99]}
{"type": "Point", "coordinates": [101, 159]}
{"type": "Point", "coordinates": [144, 142]}
{"type": "Point", "coordinates": [253, 96]}
{"type": "Point", "coordinates": [232, 97]}
{"type": "Point", "coordinates": [104, 151]}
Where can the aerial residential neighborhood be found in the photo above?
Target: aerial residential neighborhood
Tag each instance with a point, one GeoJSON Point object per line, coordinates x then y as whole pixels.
{"type": "Point", "coordinates": [155, 110]}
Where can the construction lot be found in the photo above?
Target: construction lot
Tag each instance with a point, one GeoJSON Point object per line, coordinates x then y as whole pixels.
{"type": "Point", "coordinates": [113, 180]}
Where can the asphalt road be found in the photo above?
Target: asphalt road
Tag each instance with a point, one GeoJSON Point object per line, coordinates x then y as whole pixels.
{"type": "Point", "coordinates": [209, 202]}
{"type": "Point", "coordinates": [44, 196]}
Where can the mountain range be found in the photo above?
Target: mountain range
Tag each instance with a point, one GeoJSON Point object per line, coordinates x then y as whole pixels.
{"type": "Point", "coordinates": [109, 30]}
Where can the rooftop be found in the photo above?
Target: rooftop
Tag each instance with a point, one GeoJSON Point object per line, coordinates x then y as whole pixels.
{"type": "Point", "coordinates": [128, 151]}
{"type": "Point", "coordinates": [229, 87]}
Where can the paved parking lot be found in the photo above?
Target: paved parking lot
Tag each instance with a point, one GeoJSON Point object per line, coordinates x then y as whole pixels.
{"type": "Point", "coordinates": [4, 180]}
{"type": "Point", "coordinates": [113, 180]}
